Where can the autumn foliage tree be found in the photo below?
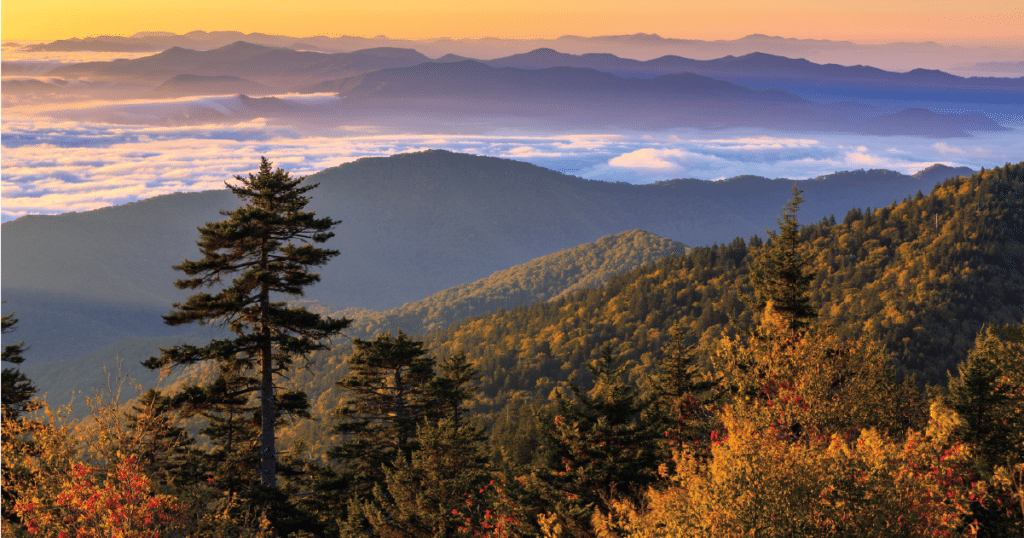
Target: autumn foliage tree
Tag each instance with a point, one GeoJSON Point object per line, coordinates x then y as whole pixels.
{"type": "Point", "coordinates": [758, 482]}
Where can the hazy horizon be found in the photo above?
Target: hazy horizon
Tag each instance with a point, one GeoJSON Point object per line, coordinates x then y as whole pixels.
{"type": "Point", "coordinates": [870, 20]}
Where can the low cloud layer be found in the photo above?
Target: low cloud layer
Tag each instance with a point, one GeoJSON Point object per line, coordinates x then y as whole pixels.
{"type": "Point", "coordinates": [53, 166]}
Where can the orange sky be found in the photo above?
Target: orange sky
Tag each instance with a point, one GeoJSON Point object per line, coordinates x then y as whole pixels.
{"type": "Point", "coordinates": [860, 20]}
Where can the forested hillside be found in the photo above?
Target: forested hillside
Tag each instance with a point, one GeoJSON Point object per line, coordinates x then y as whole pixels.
{"type": "Point", "coordinates": [411, 225]}
{"type": "Point", "coordinates": [920, 277]}
{"type": "Point", "coordinates": [770, 386]}
{"type": "Point", "coordinates": [536, 281]}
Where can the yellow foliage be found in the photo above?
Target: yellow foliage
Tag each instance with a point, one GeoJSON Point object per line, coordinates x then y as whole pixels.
{"type": "Point", "coordinates": [760, 483]}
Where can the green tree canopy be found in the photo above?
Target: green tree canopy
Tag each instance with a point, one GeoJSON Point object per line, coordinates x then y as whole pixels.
{"type": "Point", "coordinates": [602, 444]}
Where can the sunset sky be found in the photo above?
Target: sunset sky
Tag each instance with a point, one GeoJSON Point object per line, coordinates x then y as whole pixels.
{"type": "Point", "coordinates": [949, 21]}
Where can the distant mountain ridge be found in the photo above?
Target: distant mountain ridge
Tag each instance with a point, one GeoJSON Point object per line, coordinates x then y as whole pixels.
{"type": "Point", "coordinates": [756, 66]}
{"type": "Point", "coordinates": [280, 67]}
{"type": "Point", "coordinates": [892, 56]}
{"type": "Point", "coordinates": [584, 96]}
{"type": "Point", "coordinates": [595, 90]}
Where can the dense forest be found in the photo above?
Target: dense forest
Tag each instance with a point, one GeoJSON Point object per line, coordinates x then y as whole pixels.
{"type": "Point", "coordinates": [857, 376]}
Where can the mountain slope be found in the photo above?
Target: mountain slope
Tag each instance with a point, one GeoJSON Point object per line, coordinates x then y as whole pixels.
{"type": "Point", "coordinates": [540, 279]}
{"type": "Point", "coordinates": [412, 225]}
{"type": "Point", "coordinates": [921, 276]}
{"type": "Point", "coordinates": [890, 275]}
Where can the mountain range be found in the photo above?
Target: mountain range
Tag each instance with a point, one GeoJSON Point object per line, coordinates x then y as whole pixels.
{"type": "Point", "coordinates": [586, 97]}
{"type": "Point", "coordinates": [412, 225]}
{"type": "Point", "coordinates": [901, 56]}
{"type": "Point", "coordinates": [389, 85]}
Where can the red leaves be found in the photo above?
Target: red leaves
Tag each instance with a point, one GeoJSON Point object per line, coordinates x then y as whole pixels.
{"type": "Point", "coordinates": [121, 503]}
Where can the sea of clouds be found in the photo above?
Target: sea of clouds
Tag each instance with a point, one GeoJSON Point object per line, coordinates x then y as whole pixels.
{"type": "Point", "coordinates": [52, 165]}
{"type": "Point", "coordinates": [60, 157]}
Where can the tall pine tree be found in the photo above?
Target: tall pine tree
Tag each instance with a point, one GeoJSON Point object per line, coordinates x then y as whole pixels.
{"type": "Point", "coordinates": [685, 393]}
{"type": "Point", "coordinates": [266, 248]}
{"type": "Point", "coordinates": [778, 271]}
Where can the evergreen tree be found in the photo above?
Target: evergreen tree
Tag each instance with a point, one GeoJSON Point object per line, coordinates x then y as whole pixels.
{"type": "Point", "coordinates": [17, 393]}
{"type": "Point", "coordinates": [452, 388]}
{"type": "Point", "coordinates": [387, 395]}
{"type": "Point", "coordinates": [166, 450]}
{"type": "Point", "coordinates": [777, 272]}
{"type": "Point", "coordinates": [427, 494]}
{"type": "Point", "coordinates": [988, 395]}
{"type": "Point", "coordinates": [604, 444]}
{"type": "Point", "coordinates": [232, 425]}
{"type": "Point", "coordinates": [266, 247]}
{"type": "Point", "coordinates": [685, 393]}
{"type": "Point", "coordinates": [18, 390]}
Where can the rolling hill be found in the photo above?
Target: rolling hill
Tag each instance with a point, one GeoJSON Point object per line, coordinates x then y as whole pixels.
{"type": "Point", "coordinates": [412, 225]}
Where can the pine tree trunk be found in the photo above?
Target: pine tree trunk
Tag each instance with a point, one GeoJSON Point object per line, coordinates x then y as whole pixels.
{"type": "Point", "coordinates": [268, 448]}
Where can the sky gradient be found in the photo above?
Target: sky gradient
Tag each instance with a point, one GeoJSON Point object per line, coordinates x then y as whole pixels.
{"type": "Point", "coordinates": [946, 21]}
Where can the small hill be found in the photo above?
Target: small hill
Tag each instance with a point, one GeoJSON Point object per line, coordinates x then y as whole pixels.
{"type": "Point", "coordinates": [940, 172]}
{"type": "Point", "coordinates": [543, 279]}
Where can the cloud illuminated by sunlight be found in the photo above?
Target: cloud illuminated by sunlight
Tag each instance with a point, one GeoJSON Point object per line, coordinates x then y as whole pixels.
{"type": "Point", "coordinates": [53, 166]}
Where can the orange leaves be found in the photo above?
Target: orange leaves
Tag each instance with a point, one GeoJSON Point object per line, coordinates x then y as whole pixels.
{"type": "Point", "coordinates": [755, 479]}
{"type": "Point", "coordinates": [95, 502]}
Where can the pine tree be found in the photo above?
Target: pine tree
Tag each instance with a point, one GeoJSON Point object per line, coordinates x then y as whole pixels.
{"type": "Point", "coordinates": [266, 247]}
{"type": "Point", "coordinates": [387, 395]}
{"type": "Point", "coordinates": [427, 494]}
{"type": "Point", "coordinates": [166, 450]}
{"type": "Point", "coordinates": [232, 425]}
{"type": "Point", "coordinates": [452, 388]}
{"type": "Point", "coordinates": [988, 395]}
{"type": "Point", "coordinates": [18, 390]}
{"type": "Point", "coordinates": [603, 444]}
{"type": "Point", "coordinates": [684, 393]}
{"type": "Point", "coordinates": [17, 393]}
{"type": "Point", "coordinates": [778, 271]}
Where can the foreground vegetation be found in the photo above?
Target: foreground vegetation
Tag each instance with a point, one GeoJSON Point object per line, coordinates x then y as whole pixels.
{"type": "Point", "coordinates": [770, 388]}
